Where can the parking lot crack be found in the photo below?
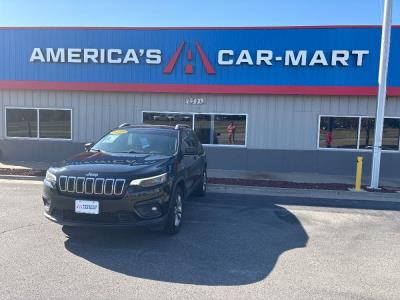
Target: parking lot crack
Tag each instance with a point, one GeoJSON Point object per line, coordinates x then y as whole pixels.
{"type": "Point", "coordinates": [20, 227]}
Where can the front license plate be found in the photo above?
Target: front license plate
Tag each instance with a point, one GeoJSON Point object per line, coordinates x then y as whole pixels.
{"type": "Point", "coordinates": [87, 207]}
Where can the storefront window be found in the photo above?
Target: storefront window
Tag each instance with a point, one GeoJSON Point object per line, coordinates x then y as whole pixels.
{"type": "Point", "coordinates": [55, 124]}
{"type": "Point", "coordinates": [168, 119]}
{"type": "Point", "coordinates": [339, 132]}
{"type": "Point", "coordinates": [367, 133]}
{"type": "Point", "coordinates": [211, 129]}
{"type": "Point", "coordinates": [391, 133]}
{"type": "Point", "coordinates": [21, 122]}
{"type": "Point", "coordinates": [203, 129]}
{"type": "Point", "coordinates": [38, 123]}
{"type": "Point", "coordinates": [231, 129]}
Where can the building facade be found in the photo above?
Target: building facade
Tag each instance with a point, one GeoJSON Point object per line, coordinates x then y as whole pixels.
{"type": "Point", "coordinates": [297, 99]}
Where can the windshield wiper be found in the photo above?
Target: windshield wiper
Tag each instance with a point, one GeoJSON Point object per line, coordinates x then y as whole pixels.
{"type": "Point", "coordinates": [158, 152]}
{"type": "Point", "coordinates": [97, 150]}
{"type": "Point", "coordinates": [131, 152]}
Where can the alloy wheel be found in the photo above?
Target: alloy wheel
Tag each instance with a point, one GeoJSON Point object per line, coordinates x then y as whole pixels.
{"type": "Point", "coordinates": [178, 210]}
{"type": "Point", "coordinates": [204, 187]}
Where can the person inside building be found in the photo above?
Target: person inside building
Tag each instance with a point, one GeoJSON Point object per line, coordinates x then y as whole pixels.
{"type": "Point", "coordinates": [329, 134]}
{"type": "Point", "coordinates": [231, 133]}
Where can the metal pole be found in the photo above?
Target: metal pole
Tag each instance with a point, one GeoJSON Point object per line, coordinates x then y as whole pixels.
{"type": "Point", "coordinates": [380, 107]}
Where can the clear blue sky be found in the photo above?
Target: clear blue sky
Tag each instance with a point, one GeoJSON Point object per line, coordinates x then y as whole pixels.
{"type": "Point", "coordinates": [191, 13]}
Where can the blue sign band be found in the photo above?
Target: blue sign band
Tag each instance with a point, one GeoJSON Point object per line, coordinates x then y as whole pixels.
{"type": "Point", "coordinates": [262, 60]}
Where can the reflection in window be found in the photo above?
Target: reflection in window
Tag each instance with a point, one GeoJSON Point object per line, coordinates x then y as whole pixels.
{"type": "Point", "coordinates": [168, 119]}
{"type": "Point", "coordinates": [231, 129]}
{"type": "Point", "coordinates": [55, 124]}
{"type": "Point", "coordinates": [52, 123]}
{"type": "Point", "coordinates": [214, 129]}
{"type": "Point", "coordinates": [21, 122]}
{"type": "Point", "coordinates": [391, 133]}
{"type": "Point", "coordinates": [220, 129]}
{"type": "Point", "coordinates": [339, 132]}
{"type": "Point", "coordinates": [336, 132]}
{"type": "Point", "coordinates": [202, 127]}
{"type": "Point", "coordinates": [367, 133]}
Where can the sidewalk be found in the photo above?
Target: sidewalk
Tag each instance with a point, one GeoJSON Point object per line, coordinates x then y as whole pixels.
{"type": "Point", "coordinates": [299, 177]}
{"type": "Point", "coordinates": [25, 165]}
{"type": "Point", "coordinates": [296, 180]}
{"type": "Point", "coordinates": [262, 181]}
{"type": "Point", "coordinates": [22, 168]}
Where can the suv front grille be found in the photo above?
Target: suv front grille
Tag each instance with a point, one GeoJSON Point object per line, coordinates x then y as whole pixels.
{"type": "Point", "coordinates": [91, 186]}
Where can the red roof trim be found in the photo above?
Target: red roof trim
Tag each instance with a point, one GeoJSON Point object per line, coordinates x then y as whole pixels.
{"type": "Point", "coordinates": [194, 88]}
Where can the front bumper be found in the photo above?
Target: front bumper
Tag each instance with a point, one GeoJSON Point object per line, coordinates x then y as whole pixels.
{"type": "Point", "coordinates": [145, 207]}
{"type": "Point", "coordinates": [144, 223]}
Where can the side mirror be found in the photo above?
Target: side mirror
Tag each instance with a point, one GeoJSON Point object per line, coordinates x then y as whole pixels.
{"type": "Point", "coordinates": [190, 151]}
{"type": "Point", "coordinates": [88, 146]}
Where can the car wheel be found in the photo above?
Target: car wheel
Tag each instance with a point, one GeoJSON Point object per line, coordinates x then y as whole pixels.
{"type": "Point", "coordinates": [174, 219]}
{"type": "Point", "coordinates": [202, 188]}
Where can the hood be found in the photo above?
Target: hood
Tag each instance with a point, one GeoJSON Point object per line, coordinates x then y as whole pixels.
{"type": "Point", "coordinates": [103, 164]}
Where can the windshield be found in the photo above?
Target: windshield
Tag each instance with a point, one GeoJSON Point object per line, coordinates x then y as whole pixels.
{"type": "Point", "coordinates": [138, 140]}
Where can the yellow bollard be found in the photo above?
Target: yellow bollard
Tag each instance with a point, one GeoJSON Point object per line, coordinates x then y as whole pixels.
{"type": "Point", "coordinates": [359, 173]}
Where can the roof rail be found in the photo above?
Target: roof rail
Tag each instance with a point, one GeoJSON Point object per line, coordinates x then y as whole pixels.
{"type": "Point", "coordinates": [178, 126]}
{"type": "Point", "coordinates": [124, 125]}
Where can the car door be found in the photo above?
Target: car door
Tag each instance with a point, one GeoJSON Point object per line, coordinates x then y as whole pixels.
{"type": "Point", "coordinates": [199, 159]}
{"type": "Point", "coordinates": [188, 162]}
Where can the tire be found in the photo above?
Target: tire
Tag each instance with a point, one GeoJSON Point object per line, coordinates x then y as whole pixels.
{"type": "Point", "coordinates": [175, 213]}
{"type": "Point", "coordinates": [202, 188]}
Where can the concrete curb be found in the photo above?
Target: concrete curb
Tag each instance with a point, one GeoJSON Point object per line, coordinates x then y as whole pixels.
{"type": "Point", "coordinates": [303, 193]}
{"type": "Point", "coordinates": [22, 177]}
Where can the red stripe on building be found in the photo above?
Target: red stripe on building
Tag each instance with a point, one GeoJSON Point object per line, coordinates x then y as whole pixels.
{"type": "Point", "coordinates": [198, 88]}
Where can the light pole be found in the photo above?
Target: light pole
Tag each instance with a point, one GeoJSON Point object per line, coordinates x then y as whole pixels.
{"type": "Point", "coordinates": [381, 100]}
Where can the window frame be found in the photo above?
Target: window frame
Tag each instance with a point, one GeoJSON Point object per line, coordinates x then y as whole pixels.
{"type": "Point", "coordinates": [358, 136]}
{"type": "Point", "coordinates": [207, 113]}
{"type": "Point", "coordinates": [37, 138]}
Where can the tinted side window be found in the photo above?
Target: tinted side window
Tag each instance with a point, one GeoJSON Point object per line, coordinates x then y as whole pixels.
{"type": "Point", "coordinates": [196, 142]}
{"type": "Point", "coordinates": [184, 139]}
{"type": "Point", "coordinates": [189, 139]}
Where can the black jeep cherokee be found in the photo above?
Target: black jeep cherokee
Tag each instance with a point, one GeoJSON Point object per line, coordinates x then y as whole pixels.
{"type": "Point", "coordinates": [134, 176]}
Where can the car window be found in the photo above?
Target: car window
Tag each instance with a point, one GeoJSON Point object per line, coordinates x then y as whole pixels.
{"type": "Point", "coordinates": [189, 140]}
{"type": "Point", "coordinates": [133, 140]}
{"type": "Point", "coordinates": [195, 141]}
{"type": "Point", "coordinates": [185, 140]}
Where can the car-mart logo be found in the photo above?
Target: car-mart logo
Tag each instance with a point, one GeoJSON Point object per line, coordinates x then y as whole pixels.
{"type": "Point", "coordinates": [189, 66]}
{"type": "Point", "coordinates": [223, 57]}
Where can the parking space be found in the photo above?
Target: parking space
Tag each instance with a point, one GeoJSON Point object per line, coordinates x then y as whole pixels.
{"type": "Point", "coordinates": [230, 246]}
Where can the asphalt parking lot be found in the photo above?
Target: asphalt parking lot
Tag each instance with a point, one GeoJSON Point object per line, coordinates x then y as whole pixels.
{"type": "Point", "coordinates": [231, 246]}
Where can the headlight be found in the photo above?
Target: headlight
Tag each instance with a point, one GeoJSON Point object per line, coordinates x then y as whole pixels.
{"type": "Point", "coordinates": [50, 177]}
{"type": "Point", "coordinates": [150, 181]}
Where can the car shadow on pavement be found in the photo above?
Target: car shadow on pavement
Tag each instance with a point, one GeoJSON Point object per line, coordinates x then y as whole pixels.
{"type": "Point", "coordinates": [225, 240]}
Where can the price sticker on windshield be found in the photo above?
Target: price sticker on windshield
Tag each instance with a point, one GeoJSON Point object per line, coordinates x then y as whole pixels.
{"type": "Point", "coordinates": [118, 132]}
